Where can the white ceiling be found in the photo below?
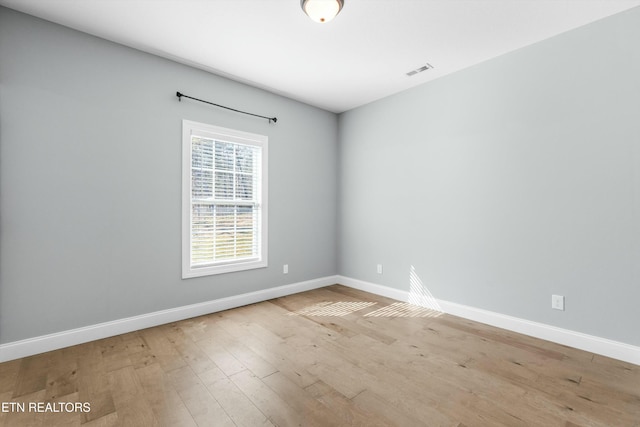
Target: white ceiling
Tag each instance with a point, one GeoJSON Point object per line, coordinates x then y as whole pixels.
{"type": "Point", "coordinates": [359, 57]}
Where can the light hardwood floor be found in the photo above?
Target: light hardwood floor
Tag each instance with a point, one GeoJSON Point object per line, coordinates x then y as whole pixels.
{"type": "Point", "coordinates": [329, 357]}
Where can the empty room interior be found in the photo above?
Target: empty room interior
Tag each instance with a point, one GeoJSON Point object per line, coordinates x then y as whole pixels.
{"type": "Point", "coordinates": [320, 213]}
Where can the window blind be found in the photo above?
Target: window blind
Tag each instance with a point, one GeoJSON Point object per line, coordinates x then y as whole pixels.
{"type": "Point", "coordinates": [225, 208]}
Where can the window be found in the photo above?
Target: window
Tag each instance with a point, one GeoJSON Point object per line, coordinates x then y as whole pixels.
{"type": "Point", "coordinates": [224, 200]}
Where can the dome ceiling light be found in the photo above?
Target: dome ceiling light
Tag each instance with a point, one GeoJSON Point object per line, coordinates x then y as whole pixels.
{"type": "Point", "coordinates": [322, 11]}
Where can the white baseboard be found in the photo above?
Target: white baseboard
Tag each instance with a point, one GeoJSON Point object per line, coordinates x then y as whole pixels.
{"type": "Point", "coordinates": [41, 344]}
{"type": "Point", "coordinates": [590, 343]}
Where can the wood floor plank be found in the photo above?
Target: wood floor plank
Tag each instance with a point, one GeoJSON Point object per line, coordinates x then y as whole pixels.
{"type": "Point", "coordinates": [109, 420]}
{"type": "Point", "coordinates": [9, 375]}
{"type": "Point", "coordinates": [62, 418]}
{"type": "Point", "coordinates": [191, 353]}
{"type": "Point", "coordinates": [134, 343]}
{"type": "Point", "coordinates": [133, 413]}
{"type": "Point", "coordinates": [237, 404]}
{"type": "Point", "coordinates": [132, 408]}
{"type": "Point", "coordinates": [204, 408]}
{"type": "Point", "coordinates": [344, 376]}
{"type": "Point", "coordinates": [62, 374]}
{"type": "Point", "coordinates": [93, 380]}
{"type": "Point", "coordinates": [383, 410]}
{"type": "Point", "coordinates": [6, 413]}
{"type": "Point", "coordinates": [164, 400]}
{"type": "Point", "coordinates": [270, 404]}
{"type": "Point", "coordinates": [162, 350]}
{"type": "Point", "coordinates": [347, 411]}
{"type": "Point", "coordinates": [311, 410]}
{"type": "Point", "coordinates": [183, 378]}
{"type": "Point", "coordinates": [126, 383]}
{"type": "Point", "coordinates": [224, 360]}
{"type": "Point", "coordinates": [271, 348]}
{"type": "Point", "coordinates": [209, 377]}
{"type": "Point", "coordinates": [243, 354]}
{"type": "Point", "coordinates": [26, 418]}
{"type": "Point", "coordinates": [32, 376]}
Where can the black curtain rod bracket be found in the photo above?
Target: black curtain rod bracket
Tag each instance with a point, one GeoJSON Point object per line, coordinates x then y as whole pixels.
{"type": "Point", "coordinates": [180, 95]}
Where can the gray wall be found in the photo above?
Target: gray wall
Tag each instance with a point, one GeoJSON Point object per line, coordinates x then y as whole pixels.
{"type": "Point", "coordinates": [507, 182]}
{"type": "Point", "coordinates": [90, 137]}
{"type": "Point", "coordinates": [499, 185]}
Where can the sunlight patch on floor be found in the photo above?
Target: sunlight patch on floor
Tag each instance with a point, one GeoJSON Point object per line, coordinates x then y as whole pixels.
{"type": "Point", "coordinates": [403, 309]}
{"type": "Point", "coordinates": [327, 308]}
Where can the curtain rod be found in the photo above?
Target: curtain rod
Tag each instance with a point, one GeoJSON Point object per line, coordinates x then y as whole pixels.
{"type": "Point", "coordinates": [271, 119]}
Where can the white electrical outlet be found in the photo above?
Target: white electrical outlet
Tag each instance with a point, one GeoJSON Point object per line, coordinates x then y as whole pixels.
{"type": "Point", "coordinates": [379, 268]}
{"type": "Point", "coordinates": [557, 302]}
{"type": "Point", "coordinates": [285, 269]}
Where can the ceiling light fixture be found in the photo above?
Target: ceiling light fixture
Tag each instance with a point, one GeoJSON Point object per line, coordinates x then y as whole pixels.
{"type": "Point", "coordinates": [322, 11]}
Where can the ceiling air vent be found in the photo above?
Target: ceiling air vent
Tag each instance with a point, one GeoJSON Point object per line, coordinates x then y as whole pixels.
{"type": "Point", "coordinates": [419, 70]}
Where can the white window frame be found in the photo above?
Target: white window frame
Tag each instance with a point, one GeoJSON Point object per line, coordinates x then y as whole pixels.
{"type": "Point", "coordinates": [190, 128]}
